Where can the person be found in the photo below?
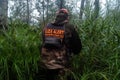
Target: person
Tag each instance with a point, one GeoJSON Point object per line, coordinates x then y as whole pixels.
{"type": "Point", "coordinates": [59, 41]}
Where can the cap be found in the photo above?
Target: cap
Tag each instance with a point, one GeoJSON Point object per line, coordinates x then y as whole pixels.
{"type": "Point", "coordinates": [63, 10]}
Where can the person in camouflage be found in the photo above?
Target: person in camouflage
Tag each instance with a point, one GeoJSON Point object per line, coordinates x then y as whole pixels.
{"type": "Point", "coordinates": [56, 58]}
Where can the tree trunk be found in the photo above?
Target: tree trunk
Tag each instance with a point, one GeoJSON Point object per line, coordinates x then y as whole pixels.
{"type": "Point", "coordinates": [118, 6]}
{"type": "Point", "coordinates": [96, 12]}
{"type": "Point", "coordinates": [28, 13]}
{"type": "Point", "coordinates": [3, 13]}
{"type": "Point", "coordinates": [43, 5]}
{"type": "Point", "coordinates": [47, 9]}
{"type": "Point", "coordinates": [88, 8]}
{"type": "Point", "coordinates": [81, 9]}
{"type": "Point", "coordinates": [61, 4]}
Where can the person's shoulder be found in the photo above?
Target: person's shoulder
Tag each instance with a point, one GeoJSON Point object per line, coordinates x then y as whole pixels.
{"type": "Point", "coordinates": [70, 26]}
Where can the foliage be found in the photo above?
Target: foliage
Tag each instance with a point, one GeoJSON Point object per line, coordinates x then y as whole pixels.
{"type": "Point", "coordinates": [19, 52]}
{"type": "Point", "coordinates": [100, 56]}
{"type": "Point", "coordinates": [99, 59]}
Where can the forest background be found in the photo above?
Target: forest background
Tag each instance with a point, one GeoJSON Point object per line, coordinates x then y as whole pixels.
{"type": "Point", "coordinates": [98, 24]}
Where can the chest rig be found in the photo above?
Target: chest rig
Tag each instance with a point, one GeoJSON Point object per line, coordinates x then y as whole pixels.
{"type": "Point", "coordinates": [53, 36]}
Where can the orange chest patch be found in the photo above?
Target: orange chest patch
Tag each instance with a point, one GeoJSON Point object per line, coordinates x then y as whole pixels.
{"type": "Point", "coordinates": [54, 32]}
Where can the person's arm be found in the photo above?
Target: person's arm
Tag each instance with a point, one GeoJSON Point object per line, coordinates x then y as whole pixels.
{"type": "Point", "coordinates": [76, 44]}
{"type": "Point", "coordinates": [72, 39]}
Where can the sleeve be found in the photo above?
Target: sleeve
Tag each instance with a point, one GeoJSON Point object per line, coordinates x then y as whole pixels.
{"type": "Point", "coordinates": [74, 42]}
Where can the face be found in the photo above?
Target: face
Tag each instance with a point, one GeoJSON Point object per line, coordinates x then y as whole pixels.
{"type": "Point", "coordinates": [60, 18]}
{"type": "Point", "coordinates": [61, 15]}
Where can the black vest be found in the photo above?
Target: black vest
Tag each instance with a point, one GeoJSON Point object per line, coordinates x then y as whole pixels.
{"type": "Point", "coordinates": [53, 36]}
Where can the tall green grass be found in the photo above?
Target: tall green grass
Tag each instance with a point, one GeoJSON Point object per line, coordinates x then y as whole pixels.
{"type": "Point", "coordinates": [19, 52]}
{"type": "Point", "coordinates": [98, 60]}
{"type": "Point", "coordinates": [100, 56]}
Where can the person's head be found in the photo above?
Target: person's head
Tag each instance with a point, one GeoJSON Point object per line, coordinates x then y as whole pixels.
{"type": "Point", "coordinates": [61, 15]}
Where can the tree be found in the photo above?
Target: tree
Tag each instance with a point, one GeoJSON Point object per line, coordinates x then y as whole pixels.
{"type": "Point", "coordinates": [47, 9]}
{"type": "Point", "coordinates": [22, 10]}
{"type": "Point", "coordinates": [118, 4]}
{"type": "Point", "coordinates": [87, 9]}
{"type": "Point", "coordinates": [3, 13]}
{"type": "Point", "coordinates": [40, 6]}
{"type": "Point", "coordinates": [81, 9]}
{"type": "Point", "coordinates": [43, 6]}
{"type": "Point", "coordinates": [96, 9]}
{"type": "Point", "coordinates": [28, 12]}
{"type": "Point", "coordinates": [60, 3]}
